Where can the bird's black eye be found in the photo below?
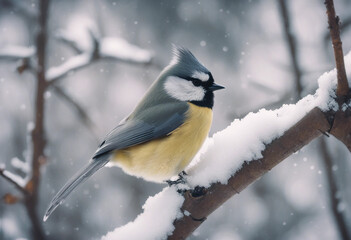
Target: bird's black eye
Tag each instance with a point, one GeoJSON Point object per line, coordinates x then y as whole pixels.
{"type": "Point", "coordinates": [196, 82]}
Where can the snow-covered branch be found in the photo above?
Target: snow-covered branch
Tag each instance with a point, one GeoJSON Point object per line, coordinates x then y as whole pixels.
{"type": "Point", "coordinates": [120, 49]}
{"type": "Point", "coordinates": [15, 52]}
{"type": "Point", "coordinates": [99, 48]}
{"type": "Point", "coordinates": [74, 63]}
{"type": "Point", "coordinates": [23, 166]}
{"type": "Point", "coordinates": [237, 156]}
{"type": "Point", "coordinates": [14, 179]}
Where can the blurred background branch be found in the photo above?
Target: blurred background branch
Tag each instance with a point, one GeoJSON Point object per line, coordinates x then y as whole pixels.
{"type": "Point", "coordinates": [105, 48]}
{"type": "Point", "coordinates": [109, 48]}
{"type": "Point", "coordinates": [13, 179]}
{"type": "Point", "coordinates": [334, 194]}
{"type": "Point", "coordinates": [291, 42]}
{"type": "Point", "coordinates": [81, 112]}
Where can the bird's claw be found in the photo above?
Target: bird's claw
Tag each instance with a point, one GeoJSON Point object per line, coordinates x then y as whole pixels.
{"type": "Point", "coordinates": [181, 179]}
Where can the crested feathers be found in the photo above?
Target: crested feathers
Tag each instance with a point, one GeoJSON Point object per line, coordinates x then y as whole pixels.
{"type": "Point", "coordinates": [186, 63]}
{"type": "Point", "coordinates": [194, 79]}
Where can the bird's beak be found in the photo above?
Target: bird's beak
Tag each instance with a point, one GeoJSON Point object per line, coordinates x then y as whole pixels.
{"type": "Point", "coordinates": [215, 87]}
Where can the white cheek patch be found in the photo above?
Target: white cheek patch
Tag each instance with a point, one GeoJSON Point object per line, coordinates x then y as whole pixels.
{"type": "Point", "coordinates": [201, 76]}
{"type": "Point", "coordinates": [183, 90]}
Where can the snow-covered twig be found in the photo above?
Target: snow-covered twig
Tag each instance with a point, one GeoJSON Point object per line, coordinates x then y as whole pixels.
{"type": "Point", "coordinates": [291, 42]}
{"type": "Point", "coordinates": [15, 52]}
{"type": "Point", "coordinates": [14, 179]}
{"type": "Point", "coordinates": [108, 48]}
{"type": "Point", "coordinates": [69, 40]}
{"type": "Point", "coordinates": [20, 165]}
{"type": "Point", "coordinates": [74, 63]}
{"type": "Point", "coordinates": [156, 221]}
{"type": "Point", "coordinates": [120, 49]}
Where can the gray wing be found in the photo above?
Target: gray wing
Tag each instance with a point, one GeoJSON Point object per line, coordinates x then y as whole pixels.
{"type": "Point", "coordinates": [152, 123]}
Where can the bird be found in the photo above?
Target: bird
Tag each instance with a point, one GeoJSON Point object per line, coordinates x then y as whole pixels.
{"type": "Point", "coordinates": [164, 132]}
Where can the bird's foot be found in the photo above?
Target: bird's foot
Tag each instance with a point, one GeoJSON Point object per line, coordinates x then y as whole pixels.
{"type": "Point", "coordinates": [181, 179]}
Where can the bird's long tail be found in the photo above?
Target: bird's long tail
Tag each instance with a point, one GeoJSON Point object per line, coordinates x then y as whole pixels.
{"type": "Point", "coordinates": [76, 180]}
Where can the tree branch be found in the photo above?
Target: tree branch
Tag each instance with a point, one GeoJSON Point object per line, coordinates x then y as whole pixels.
{"type": "Point", "coordinates": [342, 127]}
{"type": "Point", "coordinates": [15, 52]}
{"type": "Point", "coordinates": [11, 180]}
{"type": "Point", "coordinates": [74, 63]}
{"type": "Point", "coordinates": [334, 22]}
{"type": "Point", "coordinates": [38, 136]}
{"type": "Point", "coordinates": [105, 48]}
{"type": "Point", "coordinates": [344, 25]}
{"type": "Point", "coordinates": [308, 128]}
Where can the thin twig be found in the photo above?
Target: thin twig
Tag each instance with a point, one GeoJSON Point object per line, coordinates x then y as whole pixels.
{"type": "Point", "coordinates": [16, 52]}
{"type": "Point", "coordinates": [82, 114]}
{"type": "Point", "coordinates": [55, 74]}
{"type": "Point", "coordinates": [292, 47]}
{"type": "Point", "coordinates": [333, 192]}
{"type": "Point", "coordinates": [345, 23]}
{"type": "Point", "coordinates": [13, 182]}
{"type": "Point", "coordinates": [334, 22]}
{"type": "Point", "coordinates": [104, 48]}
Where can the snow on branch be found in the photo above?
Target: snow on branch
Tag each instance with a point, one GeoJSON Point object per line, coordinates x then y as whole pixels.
{"type": "Point", "coordinates": [112, 48]}
{"type": "Point", "coordinates": [225, 157]}
{"type": "Point", "coordinates": [120, 49]}
{"type": "Point", "coordinates": [74, 63]}
{"type": "Point", "coordinates": [15, 52]}
{"type": "Point", "coordinates": [157, 220]}
{"type": "Point", "coordinates": [20, 165]}
{"type": "Point", "coordinates": [85, 40]}
{"type": "Point", "coordinates": [16, 180]}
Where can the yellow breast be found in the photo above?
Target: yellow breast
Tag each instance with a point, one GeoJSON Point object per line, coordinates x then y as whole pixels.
{"type": "Point", "coordinates": [160, 159]}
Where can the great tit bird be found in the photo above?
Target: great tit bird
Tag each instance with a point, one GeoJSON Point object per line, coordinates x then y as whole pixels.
{"type": "Point", "coordinates": [165, 130]}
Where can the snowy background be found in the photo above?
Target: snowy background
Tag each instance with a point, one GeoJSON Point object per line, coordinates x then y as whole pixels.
{"type": "Point", "coordinates": [241, 42]}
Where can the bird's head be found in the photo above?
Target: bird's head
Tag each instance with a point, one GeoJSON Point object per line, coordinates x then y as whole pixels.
{"type": "Point", "coordinates": [186, 79]}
